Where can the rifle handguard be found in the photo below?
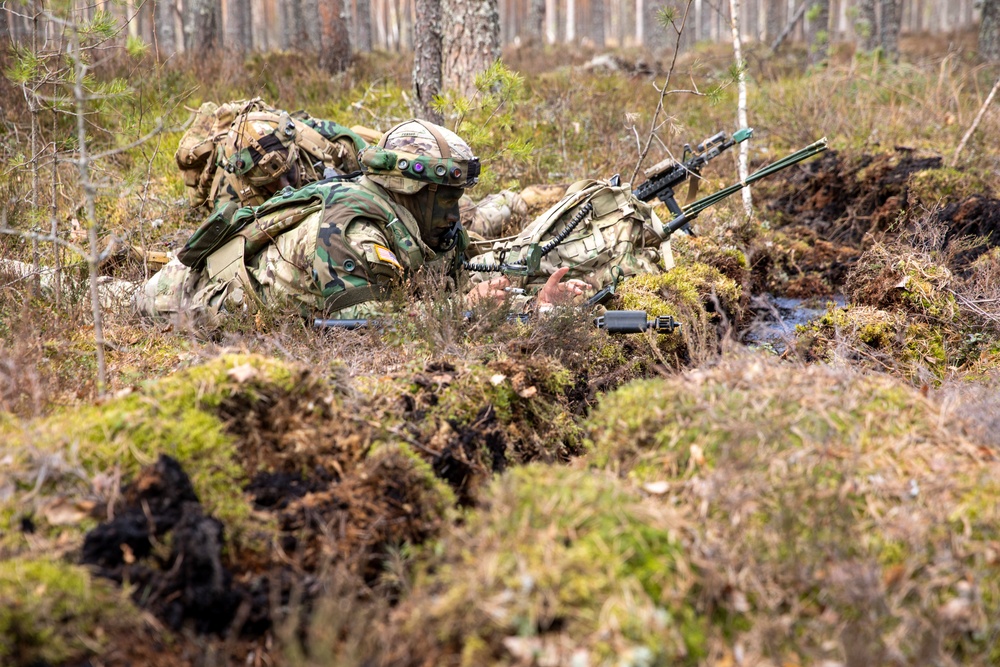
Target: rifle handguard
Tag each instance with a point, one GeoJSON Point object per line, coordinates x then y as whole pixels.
{"type": "Point", "coordinates": [635, 321]}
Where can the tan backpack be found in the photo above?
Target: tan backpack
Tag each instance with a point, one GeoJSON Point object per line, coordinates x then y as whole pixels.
{"type": "Point", "coordinates": [609, 235]}
{"type": "Point", "coordinates": [196, 152]}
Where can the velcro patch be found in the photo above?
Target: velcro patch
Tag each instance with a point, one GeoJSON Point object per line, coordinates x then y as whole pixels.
{"type": "Point", "coordinates": [386, 255]}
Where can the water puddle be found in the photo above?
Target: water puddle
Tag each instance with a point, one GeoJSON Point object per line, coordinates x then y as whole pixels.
{"type": "Point", "coordinates": [777, 316]}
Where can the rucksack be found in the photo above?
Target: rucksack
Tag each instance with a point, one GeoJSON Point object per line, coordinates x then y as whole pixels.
{"type": "Point", "coordinates": [196, 154]}
{"type": "Point", "coordinates": [607, 241]}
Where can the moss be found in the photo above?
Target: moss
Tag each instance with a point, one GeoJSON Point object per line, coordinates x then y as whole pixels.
{"type": "Point", "coordinates": [932, 186]}
{"type": "Point", "coordinates": [527, 398]}
{"type": "Point", "coordinates": [176, 416]}
{"type": "Point", "coordinates": [52, 612]}
{"type": "Point", "coordinates": [560, 561]}
{"type": "Point", "coordinates": [813, 482]}
{"type": "Point", "coordinates": [920, 351]}
{"type": "Point", "coordinates": [689, 293]}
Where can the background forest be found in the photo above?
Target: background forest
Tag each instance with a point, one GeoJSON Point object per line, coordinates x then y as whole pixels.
{"type": "Point", "coordinates": [804, 474]}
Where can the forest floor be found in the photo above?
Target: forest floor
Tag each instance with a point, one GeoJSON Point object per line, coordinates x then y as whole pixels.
{"type": "Point", "coordinates": [446, 492]}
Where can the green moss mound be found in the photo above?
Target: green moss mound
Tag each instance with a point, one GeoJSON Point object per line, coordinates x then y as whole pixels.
{"type": "Point", "coordinates": [696, 294]}
{"type": "Point", "coordinates": [880, 339]}
{"type": "Point", "coordinates": [822, 496]}
{"type": "Point", "coordinates": [77, 453]}
{"type": "Point", "coordinates": [559, 563]}
{"type": "Point", "coordinates": [54, 613]}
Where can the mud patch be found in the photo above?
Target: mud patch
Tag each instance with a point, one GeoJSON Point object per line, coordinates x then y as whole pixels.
{"type": "Point", "coordinates": [186, 582]}
{"type": "Point", "coordinates": [832, 209]}
{"type": "Point", "coordinates": [977, 216]}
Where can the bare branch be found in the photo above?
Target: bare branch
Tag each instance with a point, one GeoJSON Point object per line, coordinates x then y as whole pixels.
{"type": "Point", "coordinates": [975, 123]}
{"type": "Point", "coordinates": [663, 93]}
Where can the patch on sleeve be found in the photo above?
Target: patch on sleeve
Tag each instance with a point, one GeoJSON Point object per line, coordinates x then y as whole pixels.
{"type": "Point", "coordinates": [386, 255]}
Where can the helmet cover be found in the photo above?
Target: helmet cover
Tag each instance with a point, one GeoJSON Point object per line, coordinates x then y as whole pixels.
{"type": "Point", "coordinates": [417, 153]}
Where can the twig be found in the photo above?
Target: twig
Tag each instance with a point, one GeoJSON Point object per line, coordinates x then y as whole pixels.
{"type": "Point", "coordinates": [35, 236]}
{"type": "Point", "coordinates": [796, 17]}
{"type": "Point", "coordinates": [975, 123]}
{"type": "Point", "coordinates": [663, 93]}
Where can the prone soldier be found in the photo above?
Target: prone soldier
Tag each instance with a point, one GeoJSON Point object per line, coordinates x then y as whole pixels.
{"type": "Point", "coordinates": [338, 248]}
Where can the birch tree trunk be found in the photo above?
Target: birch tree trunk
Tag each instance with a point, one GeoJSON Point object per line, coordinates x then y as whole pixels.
{"type": "Point", "coordinates": [570, 21]}
{"type": "Point", "coordinates": [551, 21]}
{"type": "Point", "coordinates": [640, 18]}
{"type": "Point", "coordinates": [819, 31]}
{"type": "Point", "coordinates": [989, 30]}
{"type": "Point", "coordinates": [889, 28]}
{"type": "Point", "coordinates": [363, 26]}
{"type": "Point", "coordinates": [470, 42]}
{"type": "Point", "coordinates": [865, 26]}
{"type": "Point", "coordinates": [427, 60]}
{"type": "Point", "coordinates": [741, 106]}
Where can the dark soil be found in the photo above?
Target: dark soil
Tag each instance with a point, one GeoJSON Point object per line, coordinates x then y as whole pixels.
{"type": "Point", "coordinates": [190, 582]}
{"type": "Point", "coordinates": [976, 216]}
{"type": "Point", "coordinates": [827, 214]}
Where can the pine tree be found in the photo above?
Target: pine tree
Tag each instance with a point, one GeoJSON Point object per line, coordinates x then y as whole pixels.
{"type": "Point", "coordinates": [470, 42]}
{"type": "Point", "coordinates": [427, 60]}
{"type": "Point", "coordinates": [989, 30]}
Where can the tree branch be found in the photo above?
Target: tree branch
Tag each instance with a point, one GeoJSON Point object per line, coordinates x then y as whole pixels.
{"type": "Point", "coordinates": [663, 93]}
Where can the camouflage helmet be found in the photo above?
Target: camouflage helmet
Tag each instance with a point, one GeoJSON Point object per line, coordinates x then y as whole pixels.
{"type": "Point", "coordinates": [260, 147]}
{"type": "Point", "coordinates": [416, 153]}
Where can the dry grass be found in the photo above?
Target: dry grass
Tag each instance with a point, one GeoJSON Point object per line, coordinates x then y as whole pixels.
{"type": "Point", "coordinates": [739, 511]}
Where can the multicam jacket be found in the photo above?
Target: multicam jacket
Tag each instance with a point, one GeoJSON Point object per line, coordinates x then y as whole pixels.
{"type": "Point", "coordinates": [335, 249]}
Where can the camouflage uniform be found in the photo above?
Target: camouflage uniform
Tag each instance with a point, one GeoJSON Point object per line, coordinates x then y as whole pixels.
{"type": "Point", "coordinates": [495, 215]}
{"type": "Point", "coordinates": [334, 248]}
{"type": "Point", "coordinates": [235, 132]}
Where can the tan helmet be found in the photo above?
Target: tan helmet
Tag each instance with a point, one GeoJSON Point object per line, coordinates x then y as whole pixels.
{"type": "Point", "coordinates": [259, 148]}
{"type": "Point", "coordinates": [416, 153]}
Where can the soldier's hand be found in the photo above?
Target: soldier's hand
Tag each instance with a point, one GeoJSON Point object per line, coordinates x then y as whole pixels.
{"type": "Point", "coordinates": [491, 290]}
{"type": "Point", "coordinates": [555, 292]}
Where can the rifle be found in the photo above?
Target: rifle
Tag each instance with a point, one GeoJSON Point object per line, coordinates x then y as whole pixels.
{"type": "Point", "coordinates": [692, 210]}
{"type": "Point", "coordinates": [664, 176]}
{"type": "Point", "coordinates": [613, 321]}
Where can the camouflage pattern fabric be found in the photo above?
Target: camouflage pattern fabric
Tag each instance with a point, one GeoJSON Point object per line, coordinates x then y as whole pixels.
{"type": "Point", "coordinates": [331, 249]}
{"type": "Point", "coordinates": [320, 145]}
{"type": "Point", "coordinates": [612, 236]}
{"type": "Point", "coordinates": [495, 215]}
{"type": "Point", "coordinates": [416, 153]}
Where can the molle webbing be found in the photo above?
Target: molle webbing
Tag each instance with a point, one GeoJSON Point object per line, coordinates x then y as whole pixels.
{"type": "Point", "coordinates": [356, 295]}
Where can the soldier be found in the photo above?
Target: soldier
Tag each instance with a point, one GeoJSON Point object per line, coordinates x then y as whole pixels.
{"type": "Point", "coordinates": [337, 249]}
{"type": "Point", "coordinates": [241, 153]}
